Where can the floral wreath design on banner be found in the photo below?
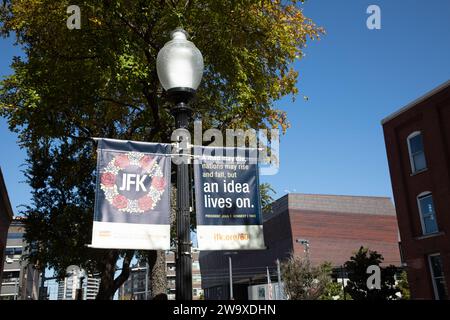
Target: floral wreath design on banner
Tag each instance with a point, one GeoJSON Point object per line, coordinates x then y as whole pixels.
{"type": "Point", "coordinates": [119, 201]}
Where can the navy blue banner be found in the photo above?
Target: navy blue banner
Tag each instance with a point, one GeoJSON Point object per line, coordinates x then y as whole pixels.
{"type": "Point", "coordinates": [227, 199]}
{"type": "Point", "coordinates": [133, 188]}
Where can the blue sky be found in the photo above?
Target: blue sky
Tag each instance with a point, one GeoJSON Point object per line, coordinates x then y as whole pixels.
{"type": "Point", "coordinates": [354, 77]}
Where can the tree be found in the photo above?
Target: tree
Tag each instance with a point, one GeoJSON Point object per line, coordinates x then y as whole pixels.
{"type": "Point", "coordinates": [332, 291]}
{"type": "Point", "coordinates": [101, 81]}
{"type": "Point", "coordinates": [357, 268]}
{"type": "Point", "coordinates": [303, 281]}
{"type": "Point", "coordinates": [403, 286]}
{"type": "Point", "coordinates": [266, 192]}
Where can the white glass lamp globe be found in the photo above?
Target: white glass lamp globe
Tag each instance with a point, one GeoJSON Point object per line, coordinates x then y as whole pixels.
{"type": "Point", "coordinates": [179, 64]}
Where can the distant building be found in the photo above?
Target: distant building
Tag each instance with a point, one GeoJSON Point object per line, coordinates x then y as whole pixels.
{"type": "Point", "coordinates": [197, 291]}
{"type": "Point", "coordinates": [67, 288]}
{"type": "Point", "coordinates": [6, 215]}
{"type": "Point", "coordinates": [91, 290]}
{"type": "Point", "coordinates": [135, 287]}
{"type": "Point", "coordinates": [326, 227]}
{"type": "Point", "coordinates": [418, 149]}
{"type": "Point", "coordinates": [20, 279]}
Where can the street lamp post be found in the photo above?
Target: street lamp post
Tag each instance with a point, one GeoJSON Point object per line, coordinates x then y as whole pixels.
{"type": "Point", "coordinates": [231, 278]}
{"type": "Point", "coordinates": [230, 272]}
{"type": "Point", "coordinates": [180, 68]}
{"type": "Point", "coordinates": [305, 244]}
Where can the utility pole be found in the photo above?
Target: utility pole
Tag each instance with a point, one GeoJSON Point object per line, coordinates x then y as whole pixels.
{"type": "Point", "coordinates": [279, 280]}
{"type": "Point", "coordinates": [307, 254]}
{"type": "Point", "coordinates": [231, 278]}
{"type": "Point", "coordinates": [146, 280]}
{"type": "Point", "coordinates": [305, 244]}
{"type": "Point", "coordinates": [343, 282]}
{"type": "Point", "coordinates": [269, 285]}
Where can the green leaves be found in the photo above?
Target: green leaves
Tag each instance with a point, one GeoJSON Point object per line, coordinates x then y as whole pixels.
{"type": "Point", "coordinates": [266, 192]}
{"type": "Point", "coordinates": [302, 281]}
{"type": "Point", "coordinates": [357, 274]}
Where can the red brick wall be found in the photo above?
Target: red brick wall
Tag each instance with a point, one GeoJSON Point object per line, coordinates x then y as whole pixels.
{"type": "Point", "coordinates": [334, 237]}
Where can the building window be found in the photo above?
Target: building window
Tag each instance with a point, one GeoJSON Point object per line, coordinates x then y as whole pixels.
{"type": "Point", "coordinates": [195, 265]}
{"type": "Point", "coordinates": [261, 293]}
{"type": "Point", "coordinates": [437, 276]}
{"type": "Point", "coordinates": [416, 152]}
{"type": "Point", "coordinates": [13, 251]}
{"type": "Point", "coordinates": [427, 213]}
{"type": "Point", "coordinates": [196, 278]}
{"type": "Point", "coordinates": [10, 277]}
{"type": "Point", "coordinates": [171, 266]}
{"type": "Point", "coordinates": [15, 235]}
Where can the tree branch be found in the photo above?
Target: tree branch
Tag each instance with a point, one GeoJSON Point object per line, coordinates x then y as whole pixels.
{"type": "Point", "coordinates": [150, 95]}
{"type": "Point", "coordinates": [125, 270]}
{"type": "Point", "coordinates": [131, 25]}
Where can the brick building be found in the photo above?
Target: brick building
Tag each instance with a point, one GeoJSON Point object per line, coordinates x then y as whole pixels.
{"type": "Point", "coordinates": [6, 216]}
{"type": "Point", "coordinates": [334, 226]}
{"type": "Point", "coordinates": [417, 141]}
{"type": "Point", "coordinates": [20, 278]}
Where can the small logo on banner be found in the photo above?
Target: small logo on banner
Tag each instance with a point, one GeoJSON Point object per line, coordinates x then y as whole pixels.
{"type": "Point", "coordinates": [115, 181]}
{"type": "Point", "coordinates": [231, 237]}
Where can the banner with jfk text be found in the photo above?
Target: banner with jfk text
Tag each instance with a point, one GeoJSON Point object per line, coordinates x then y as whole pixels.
{"type": "Point", "coordinates": [227, 199]}
{"type": "Point", "coordinates": [132, 199]}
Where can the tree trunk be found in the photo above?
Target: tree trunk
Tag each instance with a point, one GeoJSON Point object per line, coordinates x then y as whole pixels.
{"type": "Point", "coordinates": [156, 259]}
{"type": "Point", "coordinates": [109, 284]}
{"type": "Point", "coordinates": [157, 273]}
